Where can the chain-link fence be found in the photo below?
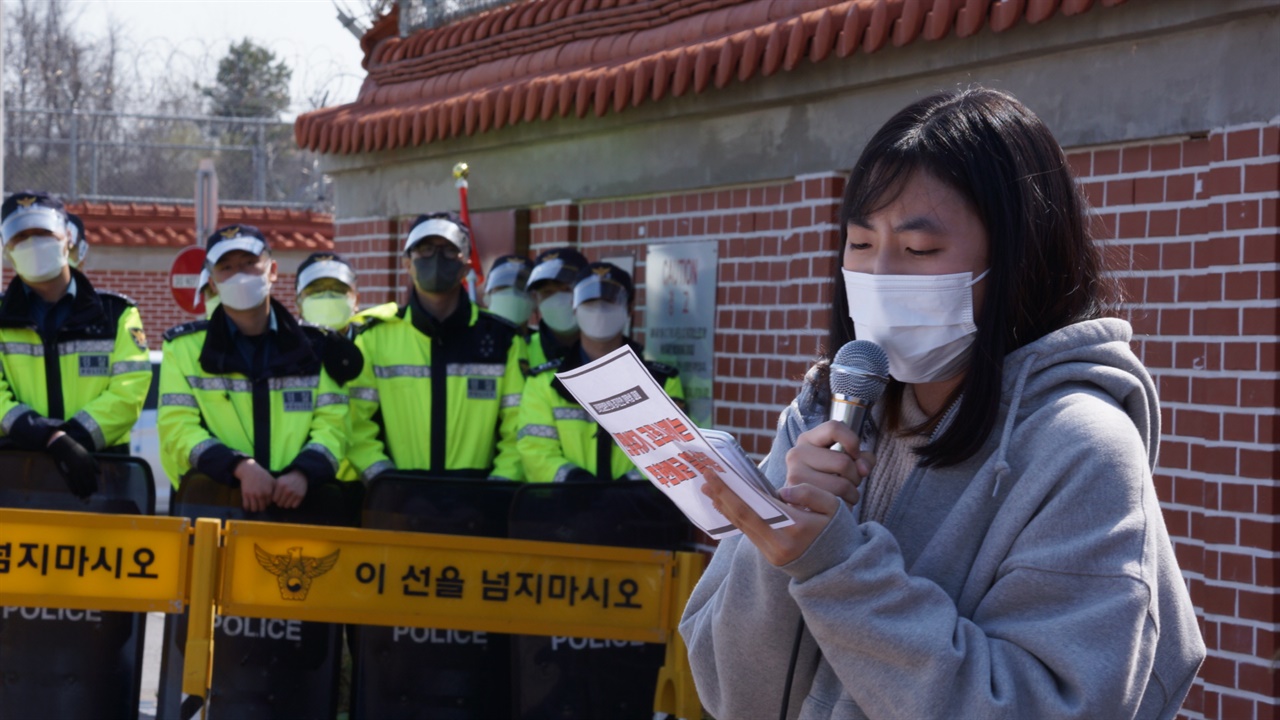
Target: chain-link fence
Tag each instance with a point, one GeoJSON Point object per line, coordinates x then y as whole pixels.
{"type": "Point", "coordinates": [419, 14]}
{"type": "Point", "coordinates": [123, 157]}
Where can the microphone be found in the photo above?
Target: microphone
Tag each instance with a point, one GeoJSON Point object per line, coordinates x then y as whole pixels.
{"type": "Point", "coordinates": [858, 375]}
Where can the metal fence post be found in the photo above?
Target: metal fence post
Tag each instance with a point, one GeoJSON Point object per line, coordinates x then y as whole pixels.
{"type": "Point", "coordinates": [260, 165]}
{"type": "Point", "coordinates": [75, 151]}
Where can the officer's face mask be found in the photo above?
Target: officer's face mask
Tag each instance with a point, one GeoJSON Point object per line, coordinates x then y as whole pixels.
{"type": "Point", "coordinates": [557, 312]}
{"type": "Point", "coordinates": [244, 291]}
{"type": "Point", "coordinates": [923, 322]}
{"type": "Point", "coordinates": [330, 308]}
{"type": "Point", "coordinates": [512, 304]}
{"type": "Point", "coordinates": [38, 258]}
{"type": "Point", "coordinates": [600, 320]}
{"type": "Point", "coordinates": [437, 273]}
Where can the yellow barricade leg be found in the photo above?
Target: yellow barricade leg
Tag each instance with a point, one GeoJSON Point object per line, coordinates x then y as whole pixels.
{"type": "Point", "coordinates": [676, 694]}
{"type": "Point", "coordinates": [197, 669]}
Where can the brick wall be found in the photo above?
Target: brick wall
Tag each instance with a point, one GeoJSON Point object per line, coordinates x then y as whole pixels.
{"type": "Point", "coordinates": [772, 296]}
{"type": "Point", "coordinates": [372, 246]}
{"type": "Point", "coordinates": [1193, 231]}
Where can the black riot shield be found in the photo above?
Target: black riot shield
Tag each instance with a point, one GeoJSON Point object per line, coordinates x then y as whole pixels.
{"type": "Point", "coordinates": [71, 663]}
{"type": "Point", "coordinates": [262, 669]}
{"type": "Point", "coordinates": [432, 673]}
{"type": "Point", "coordinates": [580, 678]}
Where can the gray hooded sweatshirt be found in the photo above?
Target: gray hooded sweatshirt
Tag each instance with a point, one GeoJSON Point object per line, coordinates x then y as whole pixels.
{"type": "Point", "coordinates": [1034, 580]}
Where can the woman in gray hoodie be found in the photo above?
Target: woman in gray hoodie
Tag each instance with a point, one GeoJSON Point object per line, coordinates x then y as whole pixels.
{"type": "Point", "coordinates": [998, 551]}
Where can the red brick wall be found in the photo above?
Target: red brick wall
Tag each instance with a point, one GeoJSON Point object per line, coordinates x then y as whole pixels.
{"type": "Point", "coordinates": [772, 297]}
{"type": "Point", "coordinates": [1194, 235]}
{"type": "Point", "coordinates": [372, 246]}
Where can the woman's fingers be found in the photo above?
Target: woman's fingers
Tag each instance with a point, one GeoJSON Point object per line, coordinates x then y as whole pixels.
{"type": "Point", "coordinates": [829, 433]}
{"type": "Point", "coordinates": [813, 499]}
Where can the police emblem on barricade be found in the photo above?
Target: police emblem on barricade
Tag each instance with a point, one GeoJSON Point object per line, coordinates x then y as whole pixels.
{"type": "Point", "coordinates": [294, 572]}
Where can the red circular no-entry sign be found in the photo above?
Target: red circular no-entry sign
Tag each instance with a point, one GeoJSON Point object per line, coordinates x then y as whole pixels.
{"type": "Point", "coordinates": [184, 279]}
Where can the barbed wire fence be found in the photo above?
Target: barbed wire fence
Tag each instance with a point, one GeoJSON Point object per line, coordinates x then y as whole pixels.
{"type": "Point", "coordinates": [130, 157]}
{"type": "Point", "coordinates": [419, 14]}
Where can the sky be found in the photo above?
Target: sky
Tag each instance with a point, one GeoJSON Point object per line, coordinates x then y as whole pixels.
{"type": "Point", "coordinates": [306, 34]}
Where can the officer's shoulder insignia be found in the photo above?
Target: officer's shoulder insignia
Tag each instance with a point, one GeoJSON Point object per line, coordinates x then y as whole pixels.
{"type": "Point", "coordinates": [111, 294]}
{"type": "Point", "coordinates": [178, 331]}
{"type": "Point", "coordinates": [661, 369]}
{"type": "Point", "coordinates": [546, 367]}
{"type": "Point", "coordinates": [139, 337]}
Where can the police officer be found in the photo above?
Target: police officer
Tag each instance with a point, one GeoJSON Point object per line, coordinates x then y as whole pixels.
{"type": "Point", "coordinates": [79, 242]}
{"type": "Point", "coordinates": [440, 389]}
{"type": "Point", "coordinates": [551, 283]}
{"type": "Point", "coordinates": [326, 291]}
{"type": "Point", "coordinates": [505, 291]}
{"type": "Point", "coordinates": [73, 360]}
{"type": "Point", "coordinates": [246, 397]}
{"type": "Point", "coordinates": [559, 442]}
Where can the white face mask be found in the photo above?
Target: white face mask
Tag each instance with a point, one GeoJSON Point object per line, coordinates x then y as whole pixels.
{"type": "Point", "coordinates": [557, 311]}
{"type": "Point", "coordinates": [330, 309]}
{"type": "Point", "coordinates": [244, 291]}
{"type": "Point", "coordinates": [39, 258]}
{"type": "Point", "coordinates": [511, 304]}
{"type": "Point", "coordinates": [601, 320]}
{"type": "Point", "coordinates": [923, 322]}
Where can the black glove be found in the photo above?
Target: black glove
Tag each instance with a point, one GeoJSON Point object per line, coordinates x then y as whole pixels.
{"type": "Point", "coordinates": [31, 431]}
{"type": "Point", "coordinates": [579, 475]}
{"type": "Point", "coordinates": [78, 467]}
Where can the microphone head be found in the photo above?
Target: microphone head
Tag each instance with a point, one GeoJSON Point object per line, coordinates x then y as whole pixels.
{"type": "Point", "coordinates": [860, 370]}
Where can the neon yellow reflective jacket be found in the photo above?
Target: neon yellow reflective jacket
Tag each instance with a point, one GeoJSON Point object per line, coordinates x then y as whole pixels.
{"type": "Point", "coordinates": [94, 373]}
{"type": "Point", "coordinates": [544, 348]}
{"type": "Point", "coordinates": [347, 471]}
{"type": "Point", "coordinates": [559, 441]}
{"type": "Point", "coordinates": [213, 414]}
{"type": "Point", "coordinates": [443, 397]}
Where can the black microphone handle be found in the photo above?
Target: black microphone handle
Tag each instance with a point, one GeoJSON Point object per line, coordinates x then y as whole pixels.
{"type": "Point", "coordinates": [848, 410]}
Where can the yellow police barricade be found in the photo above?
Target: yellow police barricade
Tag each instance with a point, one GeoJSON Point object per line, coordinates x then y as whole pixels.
{"type": "Point", "coordinates": [83, 659]}
{"type": "Point", "coordinates": [584, 678]}
{"type": "Point", "coordinates": [266, 668]}
{"type": "Point", "coordinates": [416, 581]}
{"type": "Point", "coordinates": [401, 672]}
{"type": "Point", "coordinates": [340, 575]}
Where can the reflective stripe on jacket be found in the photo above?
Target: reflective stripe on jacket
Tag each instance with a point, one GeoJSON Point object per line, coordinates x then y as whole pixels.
{"type": "Point", "coordinates": [94, 372]}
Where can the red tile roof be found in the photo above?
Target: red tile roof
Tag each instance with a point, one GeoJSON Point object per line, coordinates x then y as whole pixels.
{"type": "Point", "coordinates": [545, 58]}
{"type": "Point", "coordinates": [163, 225]}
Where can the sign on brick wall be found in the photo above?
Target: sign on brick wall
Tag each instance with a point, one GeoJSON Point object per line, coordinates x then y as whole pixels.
{"type": "Point", "coordinates": [680, 313]}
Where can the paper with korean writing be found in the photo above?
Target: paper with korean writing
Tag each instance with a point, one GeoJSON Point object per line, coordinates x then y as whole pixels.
{"type": "Point", "coordinates": [620, 394]}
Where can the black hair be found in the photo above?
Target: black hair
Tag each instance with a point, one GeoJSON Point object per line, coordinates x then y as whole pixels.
{"type": "Point", "coordinates": [1046, 272]}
